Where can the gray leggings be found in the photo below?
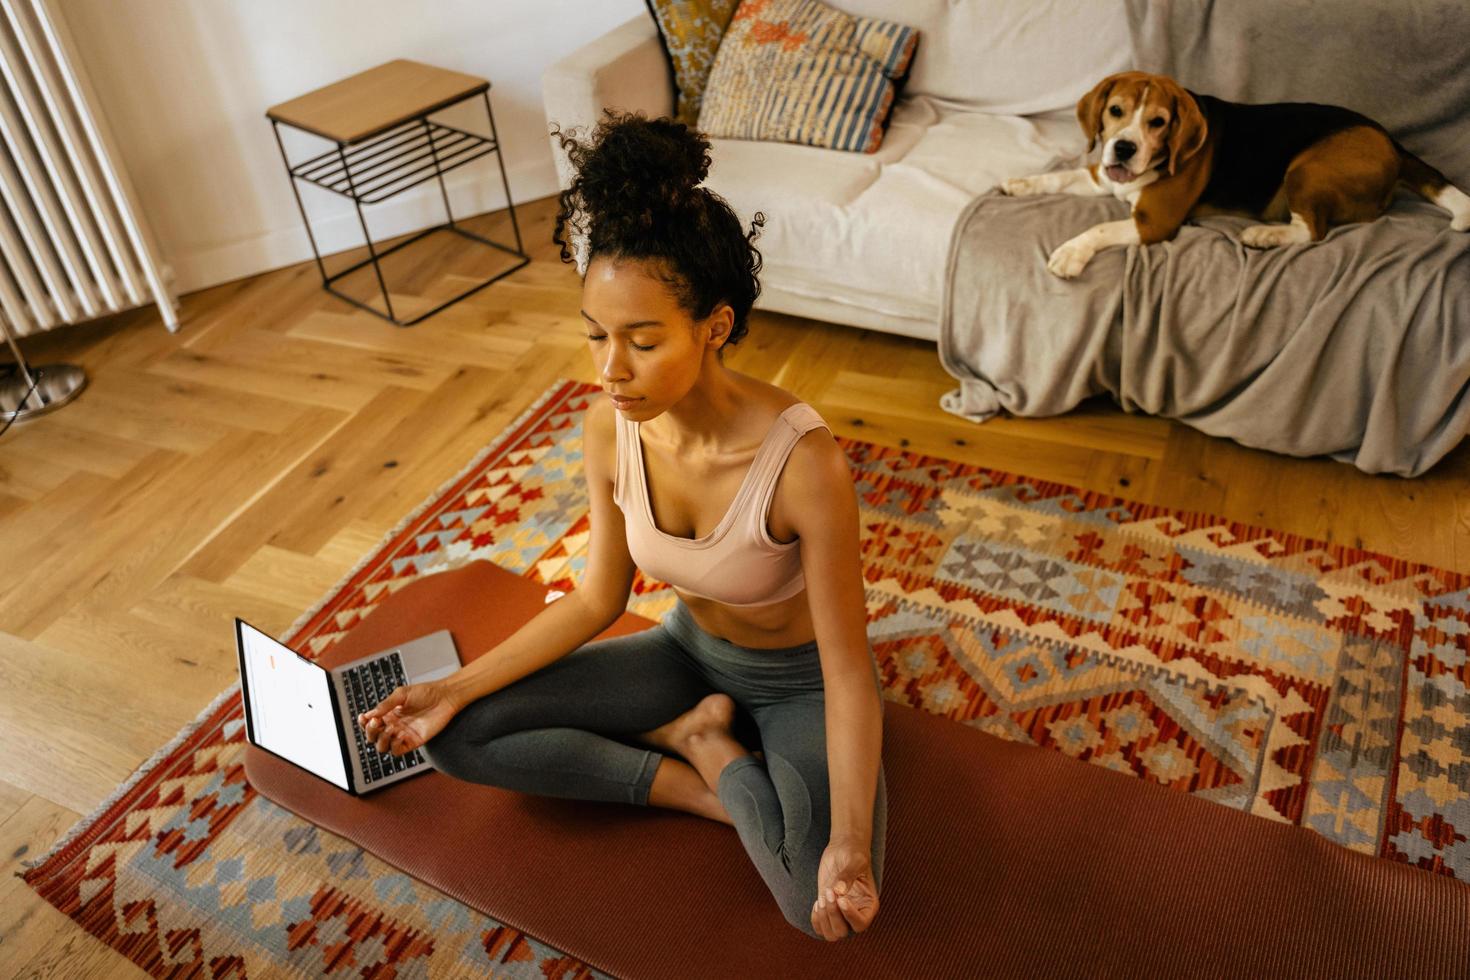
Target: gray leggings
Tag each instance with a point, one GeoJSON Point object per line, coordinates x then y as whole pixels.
{"type": "Point", "coordinates": [566, 731]}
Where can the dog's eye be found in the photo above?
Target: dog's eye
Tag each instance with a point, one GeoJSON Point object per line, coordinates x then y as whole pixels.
{"type": "Point", "coordinates": [1156, 122]}
{"type": "Point", "coordinates": [1115, 111]}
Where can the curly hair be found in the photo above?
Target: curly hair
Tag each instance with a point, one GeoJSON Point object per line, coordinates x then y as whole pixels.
{"type": "Point", "coordinates": [637, 194]}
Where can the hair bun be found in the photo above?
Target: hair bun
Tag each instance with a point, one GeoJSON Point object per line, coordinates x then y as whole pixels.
{"type": "Point", "coordinates": [636, 161]}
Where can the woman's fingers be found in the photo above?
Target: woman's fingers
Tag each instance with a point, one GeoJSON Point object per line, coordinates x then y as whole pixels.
{"type": "Point", "coordinates": [401, 738]}
{"type": "Point", "coordinates": [396, 736]}
{"type": "Point", "coordinates": [383, 733]}
{"type": "Point", "coordinates": [389, 726]}
{"type": "Point", "coordinates": [826, 918]}
{"type": "Point", "coordinates": [394, 700]}
{"type": "Point", "coordinates": [843, 907]}
{"type": "Point", "coordinates": [857, 904]}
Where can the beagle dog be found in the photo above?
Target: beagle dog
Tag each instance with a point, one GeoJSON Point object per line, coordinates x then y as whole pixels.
{"type": "Point", "coordinates": [1173, 154]}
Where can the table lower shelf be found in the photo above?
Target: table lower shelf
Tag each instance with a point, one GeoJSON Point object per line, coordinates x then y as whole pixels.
{"type": "Point", "coordinates": [395, 161]}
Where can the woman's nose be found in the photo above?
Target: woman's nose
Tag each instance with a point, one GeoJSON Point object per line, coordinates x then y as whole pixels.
{"type": "Point", "coordinates": [613, 368]}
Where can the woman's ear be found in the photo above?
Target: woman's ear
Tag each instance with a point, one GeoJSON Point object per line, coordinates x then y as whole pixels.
{"type": "Point", "coordinates": [720, 322]}
{"type": "Point", "coordinates": [1189, 130]}
{"type": "Point", "coordinates": [1090, 109]}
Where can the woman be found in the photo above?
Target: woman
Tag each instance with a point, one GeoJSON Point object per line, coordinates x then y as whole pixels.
{"type": "Point", "coordinates": [734, 493]}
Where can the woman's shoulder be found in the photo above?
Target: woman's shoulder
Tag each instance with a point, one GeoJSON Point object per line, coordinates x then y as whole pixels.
{"type": "Point", "coordinates": [800, 413]}
{"type": "Point", "coordinates": [816, 442]}
{"type": "Point", "coordinates": [599, 434]}
{"type": "Point", "coordinates": [774, 401]}
{"type": "Point", "coordinates": [600, 418]}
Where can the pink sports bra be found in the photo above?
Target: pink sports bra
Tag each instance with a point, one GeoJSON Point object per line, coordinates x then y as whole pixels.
{"type": "Point", "coordinates": [738, 563]}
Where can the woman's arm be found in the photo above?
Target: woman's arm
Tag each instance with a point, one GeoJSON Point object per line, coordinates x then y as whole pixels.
{"type": "Point", "coordinates": [823, 505]}
{"type": "Point", "coordinates": [581, 614]}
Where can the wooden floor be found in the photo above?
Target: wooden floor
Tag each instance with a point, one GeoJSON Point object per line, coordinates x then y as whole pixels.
{"type": "Point", "coordinates": [244, 464]}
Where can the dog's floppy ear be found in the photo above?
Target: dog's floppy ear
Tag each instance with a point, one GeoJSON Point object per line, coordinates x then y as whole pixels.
{"type": "Point", "coordinates": [1090, 108]}
{"type": "Point", "coordinates": [1189, 129]}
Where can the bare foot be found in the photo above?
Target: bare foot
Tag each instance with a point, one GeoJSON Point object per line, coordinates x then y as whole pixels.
{"type": "Point", "coordinates": [712, 716]}
{"type": "Point", "coordinates": [702, 736]}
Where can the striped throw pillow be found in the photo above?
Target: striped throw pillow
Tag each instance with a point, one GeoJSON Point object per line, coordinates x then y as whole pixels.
{"type": "Point", "coordinates": [798, 71]}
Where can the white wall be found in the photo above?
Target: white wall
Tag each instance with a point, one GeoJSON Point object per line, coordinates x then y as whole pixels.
{"type": "Point", "coordinates": [184, 85]}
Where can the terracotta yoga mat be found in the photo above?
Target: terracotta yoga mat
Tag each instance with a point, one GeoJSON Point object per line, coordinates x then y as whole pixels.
{"type": "Point", "coordinates": [1002, 858]}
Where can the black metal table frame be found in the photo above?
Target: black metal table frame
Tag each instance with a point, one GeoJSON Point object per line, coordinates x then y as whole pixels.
{"type": "Point", "coordinates": [393, 156]}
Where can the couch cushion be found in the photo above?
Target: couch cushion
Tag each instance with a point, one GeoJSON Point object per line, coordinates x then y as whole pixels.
{"type": "Point", "coordinates": [1008, 56]}
{"type": "Point", "coordinates": [799, 71]}
{"type": "Point", "coordinates": [873, 231]}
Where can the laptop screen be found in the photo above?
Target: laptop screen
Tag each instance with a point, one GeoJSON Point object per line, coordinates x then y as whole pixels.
{"type": "Point", "coordinates": [290, 705]}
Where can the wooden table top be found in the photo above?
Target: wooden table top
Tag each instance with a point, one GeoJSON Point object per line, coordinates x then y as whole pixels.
{"type": "Point", "coordinates": [376, 100]}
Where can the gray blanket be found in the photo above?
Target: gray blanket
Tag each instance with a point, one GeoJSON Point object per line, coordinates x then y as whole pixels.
{"type": "Point", "coordinates": [1405, 63]}
{"type": "Point", "coordinates": [1357, 347]}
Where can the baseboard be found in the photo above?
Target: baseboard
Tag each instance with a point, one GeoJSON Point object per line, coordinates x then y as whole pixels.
{"type": "Point", "coordinates": [334, 222]}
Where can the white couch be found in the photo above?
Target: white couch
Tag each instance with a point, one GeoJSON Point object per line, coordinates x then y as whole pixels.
{"type": "Point", "coordinates": [862, 239]}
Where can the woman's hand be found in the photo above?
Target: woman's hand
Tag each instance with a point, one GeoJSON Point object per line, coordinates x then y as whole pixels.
{"type": "Point", "coordinates": [408, 717]}
{"type": "Point", "coordinates": [847, 898]}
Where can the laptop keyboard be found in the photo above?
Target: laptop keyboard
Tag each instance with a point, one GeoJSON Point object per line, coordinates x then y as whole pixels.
{"type": "Point", "coordinates": [366, 685]}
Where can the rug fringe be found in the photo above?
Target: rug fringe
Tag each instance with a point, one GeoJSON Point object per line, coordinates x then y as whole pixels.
{"type": "Point", "coordinates": [148, 766]}
{"type": "Point", "coordinates": [157, 758]}
{"type": "Point", "coordinates": [429, 501]}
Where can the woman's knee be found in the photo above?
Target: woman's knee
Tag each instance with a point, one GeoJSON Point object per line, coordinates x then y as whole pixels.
{"type": "Point", "coordinates": [449, 755]}
{"type": "Point", "coordinates": [798, 913]}
{"type": "Point", "coordinates": [795, 891]}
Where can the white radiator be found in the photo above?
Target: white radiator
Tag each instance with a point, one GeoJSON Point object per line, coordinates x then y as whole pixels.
{"type": "Point", "coordinates": [71, 245]}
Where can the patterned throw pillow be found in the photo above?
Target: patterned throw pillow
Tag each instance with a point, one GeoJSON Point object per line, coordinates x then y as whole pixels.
{"type": "Point", "coordinates": [798, 71]}
{"type": "Point", "coordinates": [690, 31]}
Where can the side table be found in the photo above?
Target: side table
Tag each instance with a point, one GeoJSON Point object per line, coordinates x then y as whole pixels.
{"type": "Point", "coordinates": [385, 144]}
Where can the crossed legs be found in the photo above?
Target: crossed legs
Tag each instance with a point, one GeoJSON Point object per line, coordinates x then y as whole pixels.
{"type": "Point", "coordinates": [581, 728]}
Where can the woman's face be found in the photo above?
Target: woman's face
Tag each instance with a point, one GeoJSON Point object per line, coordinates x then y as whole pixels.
{"type": "Point", "coordinates": [645, 347]}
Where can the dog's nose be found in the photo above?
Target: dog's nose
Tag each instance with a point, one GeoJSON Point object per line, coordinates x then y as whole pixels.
{"type": "Point", "coordinates": [1123, 151]}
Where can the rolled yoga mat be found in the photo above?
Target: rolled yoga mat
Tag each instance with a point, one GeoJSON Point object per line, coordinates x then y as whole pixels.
{"type": "Point", "coordinates": [1002, 859]}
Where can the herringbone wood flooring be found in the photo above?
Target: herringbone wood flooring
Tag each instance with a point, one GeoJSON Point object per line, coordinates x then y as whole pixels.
{"type": "Point", "coordinates": [243, 465]}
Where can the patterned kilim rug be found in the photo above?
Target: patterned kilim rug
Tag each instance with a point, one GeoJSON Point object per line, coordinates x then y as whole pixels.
{"type": "Point", "coordinates": [1296, 680]}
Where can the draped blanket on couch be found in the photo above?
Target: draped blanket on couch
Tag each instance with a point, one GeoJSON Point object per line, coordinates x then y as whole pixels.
{"type": "Point", "coordinates": [1357, 347]}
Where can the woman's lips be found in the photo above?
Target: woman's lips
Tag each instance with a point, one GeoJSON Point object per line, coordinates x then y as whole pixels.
{"type": "Point", "coordinates": [623, 402]}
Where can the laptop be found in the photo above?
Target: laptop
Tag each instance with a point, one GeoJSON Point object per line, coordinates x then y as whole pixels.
{"type": "Point", "coordinates": [306, 714]}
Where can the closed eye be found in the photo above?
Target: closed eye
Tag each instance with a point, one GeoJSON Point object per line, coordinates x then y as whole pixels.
{"type": "Point", "coordinates": [598, 337]}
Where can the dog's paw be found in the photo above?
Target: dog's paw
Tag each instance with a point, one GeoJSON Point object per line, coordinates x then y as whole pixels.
{"type": "Point", "coordinates": [1272, 236]}
{"type": "Point", "coordinates": [1068, 261]}
{"type": "Point", "coordinates": [1021, 187]}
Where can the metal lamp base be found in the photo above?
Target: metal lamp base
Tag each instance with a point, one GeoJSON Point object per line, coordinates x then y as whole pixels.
{"type": "Point", "coordinates": [56, 384]}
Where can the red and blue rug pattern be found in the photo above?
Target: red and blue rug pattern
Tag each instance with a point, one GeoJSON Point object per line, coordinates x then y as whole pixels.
{"type": "Point", "coordinates": [1300, 681]}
